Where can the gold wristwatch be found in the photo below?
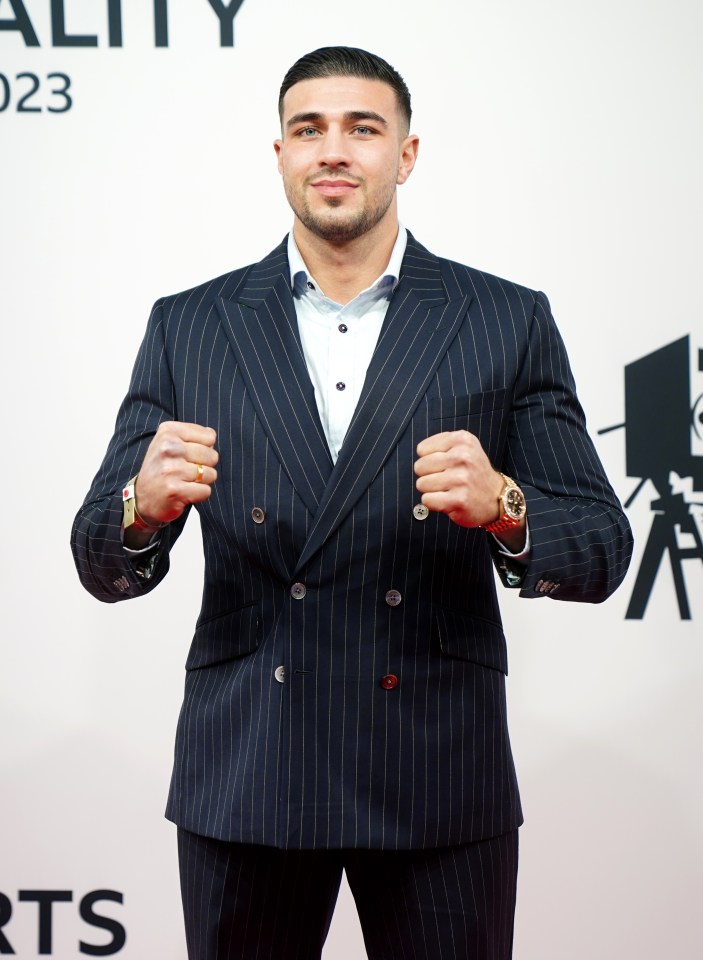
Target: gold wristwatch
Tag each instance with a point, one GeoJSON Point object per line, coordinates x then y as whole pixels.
{"type": "Point", "coordinates": [511, 508]}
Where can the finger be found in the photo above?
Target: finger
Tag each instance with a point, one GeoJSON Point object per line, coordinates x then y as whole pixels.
{"type": "Point", "coordinates": [441, 442]}
{"type": "Point", "coordinates": [196, 492]}
{"type": "Point", "coordinates": [198, 453]}
{"type": "Point", "coordinates": [189, 432]}
{"type": "Point", "coordinates": [200, 474]}
{"type": "Point", "coordinates": [434, 482]}
{"type": "Point", "coordinates": [442, 502]}
{"type": "Point", "coordinates": [432, 463]}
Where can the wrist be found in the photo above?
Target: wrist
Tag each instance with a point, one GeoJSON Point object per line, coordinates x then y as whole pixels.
{"type": "Point", "coordinates": [512, 510]}
{"type": "Point", "coordinates": [134, 522]}
{"type": "Point", "coordinates": [514, 540]}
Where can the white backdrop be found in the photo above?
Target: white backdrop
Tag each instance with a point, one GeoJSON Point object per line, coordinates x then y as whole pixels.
{"type": "Point", "coordinates": [561, 146]}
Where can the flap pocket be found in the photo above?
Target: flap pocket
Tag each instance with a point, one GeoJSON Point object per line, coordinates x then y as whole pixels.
{"type": "Point", "coordinates": [230, 635]}
{"type": "Point", "coordinates": [472, 404]}
{"type": "Point", "coordinates": [472, 638]}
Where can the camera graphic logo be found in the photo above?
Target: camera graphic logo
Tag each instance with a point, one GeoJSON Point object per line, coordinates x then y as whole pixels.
{"type": "Point", "coordinates": [664, 445]}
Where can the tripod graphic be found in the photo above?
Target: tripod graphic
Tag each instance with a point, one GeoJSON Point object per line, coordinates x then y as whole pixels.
{"type": "Point", "coordinates": [670, 511]}
{"type": "Point", "coordinates": [658, 425]}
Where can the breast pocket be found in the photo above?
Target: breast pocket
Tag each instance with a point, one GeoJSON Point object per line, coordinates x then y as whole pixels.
{"type": "Point", "coordinates": [483, 414]}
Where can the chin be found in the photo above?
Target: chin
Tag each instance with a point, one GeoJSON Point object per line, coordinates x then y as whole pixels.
{"type": "Point", "coordinates": [330, 227]}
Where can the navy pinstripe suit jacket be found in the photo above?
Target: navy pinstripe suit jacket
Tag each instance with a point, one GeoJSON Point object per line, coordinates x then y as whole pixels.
{"type": "Point", "coordinates": [330, 758]}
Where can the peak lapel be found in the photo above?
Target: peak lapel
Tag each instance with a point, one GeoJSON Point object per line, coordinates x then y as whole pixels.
{"type": "Point", "coordinates": [420, 324]}
{"type": "Point", "coordinates": [261, 325]}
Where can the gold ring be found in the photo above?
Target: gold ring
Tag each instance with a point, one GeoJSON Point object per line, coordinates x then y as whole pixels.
{"type": "Point", "coordinates": [199, 476]}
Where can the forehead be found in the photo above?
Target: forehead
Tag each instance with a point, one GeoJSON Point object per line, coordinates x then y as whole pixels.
{"type": "Point", "coordinates": [335, 96]}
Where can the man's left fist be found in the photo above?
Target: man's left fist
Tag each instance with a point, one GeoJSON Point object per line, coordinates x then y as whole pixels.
{"type": "Point", "coordinates": [456, 478]}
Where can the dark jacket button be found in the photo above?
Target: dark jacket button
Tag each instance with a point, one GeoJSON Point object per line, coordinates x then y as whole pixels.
{"type": "Point", "coordinates": [258, 515]}
{"type": "Point", "coordinates": [393, 598]}
{"type": "Point", "coordinates": [389, 682]}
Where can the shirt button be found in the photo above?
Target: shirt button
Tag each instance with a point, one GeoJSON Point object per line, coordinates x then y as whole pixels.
{"type": "Point", "coordinates": [280, 674]}
{"type": "Point", "coordinates": [258, 515]}
{"type": "Point", "coordinates": [310, 285]}
{"type": "Point", "coordinates": [340, 385]}
{"type": "Point", "coordinates": [420, 511]}
{"type": "Point", "coordinates": [389, 682]}
{"type": "Point", "coordinates": [393, 598]}
{"type": "Point", "coordinates": [342, 328]}
{"type": "Point", "coordinates": [298, 591]}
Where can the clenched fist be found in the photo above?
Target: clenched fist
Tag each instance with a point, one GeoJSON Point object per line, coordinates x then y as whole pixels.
{"type": "Point", "coordinates": [169, 478]}
{"type": "Point", "coordinates": [457, 478]}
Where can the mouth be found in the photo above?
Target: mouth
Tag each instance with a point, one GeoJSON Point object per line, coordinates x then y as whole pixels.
{"type": "Point", "coordinates": [334, 188]}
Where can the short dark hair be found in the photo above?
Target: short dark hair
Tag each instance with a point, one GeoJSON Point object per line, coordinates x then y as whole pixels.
{"type": "Point", "coordinates": [346, 62]}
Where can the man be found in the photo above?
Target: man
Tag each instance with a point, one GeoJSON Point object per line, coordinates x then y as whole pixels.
{"type": "Point", "coordinates": [339, 414]}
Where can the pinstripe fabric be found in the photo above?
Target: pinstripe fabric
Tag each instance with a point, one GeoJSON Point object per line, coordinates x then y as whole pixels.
{"type": "Point", "coordinates": [245, 902]}
{"type": "Point", "coordinates": [329, 758]}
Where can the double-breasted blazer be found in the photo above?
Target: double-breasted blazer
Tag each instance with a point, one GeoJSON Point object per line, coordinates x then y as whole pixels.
{"type": "Point", "coordinates": [345, 682]}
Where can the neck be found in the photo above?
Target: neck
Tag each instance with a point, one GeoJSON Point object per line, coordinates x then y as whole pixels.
{"type": "Point", "coordinates": [343, 270]}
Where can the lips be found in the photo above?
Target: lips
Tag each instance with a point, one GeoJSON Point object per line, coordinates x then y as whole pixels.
{"type": "Point", "coordinates": [334, 188]}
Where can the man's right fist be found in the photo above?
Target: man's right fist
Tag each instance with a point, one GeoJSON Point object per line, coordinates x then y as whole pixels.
{"type": "Point", "coordinates": [178, 469]}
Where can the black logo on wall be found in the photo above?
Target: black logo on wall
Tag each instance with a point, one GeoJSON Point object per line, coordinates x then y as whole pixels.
{"type": "Point", "coordinates": [32, 93]}
{"type": "Point", "coordinates": [661, 425]}
{"type": "Point", "coordinates": [45, 901]}
{"type": "Point", "coordinates": [111, 14]}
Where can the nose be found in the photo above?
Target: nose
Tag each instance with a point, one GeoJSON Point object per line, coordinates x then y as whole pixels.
{"type": "Point", "coordinates": [334, 150]}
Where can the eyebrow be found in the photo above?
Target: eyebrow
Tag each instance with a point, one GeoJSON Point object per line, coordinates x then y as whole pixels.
{"type": "Point", "coordinates": [351, 116]}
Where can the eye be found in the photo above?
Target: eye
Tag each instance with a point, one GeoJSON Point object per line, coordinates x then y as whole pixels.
{"type": "Point", "coordinates": [306, 133]}
{"type": "Point", "coordinates": [364, 131]}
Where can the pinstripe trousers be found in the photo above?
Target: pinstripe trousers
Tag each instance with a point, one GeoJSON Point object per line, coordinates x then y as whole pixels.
{"type": "Point", "coordinates": [248, 902]}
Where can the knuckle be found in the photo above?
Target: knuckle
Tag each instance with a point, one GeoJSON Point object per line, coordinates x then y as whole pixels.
{"type": "Point", "coordinates": [172, 488]}
{"type": "Point", "coordinates": [171, 447]}
{"type": "Point", "coordinates": [167, 428]}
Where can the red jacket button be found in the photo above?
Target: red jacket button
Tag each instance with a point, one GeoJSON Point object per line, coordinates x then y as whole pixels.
{"type": "Point", "coordinates": [389, 681]}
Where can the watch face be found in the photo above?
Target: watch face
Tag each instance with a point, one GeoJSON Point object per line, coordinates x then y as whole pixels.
{"type": "Point", "coordinates": [514, 503]}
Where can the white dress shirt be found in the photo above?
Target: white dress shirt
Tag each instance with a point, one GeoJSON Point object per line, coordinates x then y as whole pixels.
{"type": "Point", "coordinates": [339, 341]}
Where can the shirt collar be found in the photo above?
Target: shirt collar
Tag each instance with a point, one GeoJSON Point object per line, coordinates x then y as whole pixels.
{"type": "Point", "coordinates": [381, 287]}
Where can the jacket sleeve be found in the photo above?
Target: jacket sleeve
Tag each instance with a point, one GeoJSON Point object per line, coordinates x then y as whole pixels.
{"type": "Point", "coordinates": [581, 541]}
{"type": "Point", "coordinates": [104, 568]}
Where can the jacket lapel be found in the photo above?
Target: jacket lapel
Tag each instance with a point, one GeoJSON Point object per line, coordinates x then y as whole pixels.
{"type": "Point", "coordinates": [261, 325]}
{"type": "Point", "coordinates": [422, 320]}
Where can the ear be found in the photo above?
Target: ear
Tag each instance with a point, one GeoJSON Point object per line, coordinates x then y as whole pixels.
{"type": "Point", "coordinates": [278, 147]}
{"type": "Point", "coordinates": [408, 156]}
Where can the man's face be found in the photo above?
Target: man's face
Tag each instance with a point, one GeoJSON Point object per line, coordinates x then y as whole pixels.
{"type": "Point", "coordinates": [344, 147]}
